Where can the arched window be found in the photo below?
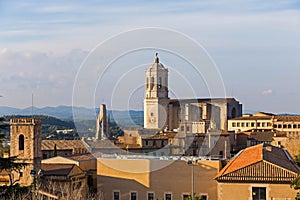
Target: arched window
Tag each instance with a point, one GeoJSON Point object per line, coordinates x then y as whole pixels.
{"type": "Point", "coordinates": [152, 82]}
{"type": "Point", "coordinates": [21, 142]}
{"type": "Point", "coordinates": [147, 83]}
{"type": "Point", "coordinates": [159, 82]}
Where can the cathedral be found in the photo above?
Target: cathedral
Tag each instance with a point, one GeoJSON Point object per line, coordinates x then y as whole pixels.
{"type": "Point", "coordinates": [193, 115]}
{"type": "Point", "coordinates": [171, 126]}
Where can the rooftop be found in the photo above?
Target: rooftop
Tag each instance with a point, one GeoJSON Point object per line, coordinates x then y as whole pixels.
{"type": "Point", "coordinates": [57, 169]}
{"type": "Point", "coordinates": [242, 166]}
{"type": "Point", "coordinates": [62, 144]}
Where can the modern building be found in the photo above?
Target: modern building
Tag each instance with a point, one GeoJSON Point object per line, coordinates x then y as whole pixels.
{"type": "Point", "coordinates": [258, 172]}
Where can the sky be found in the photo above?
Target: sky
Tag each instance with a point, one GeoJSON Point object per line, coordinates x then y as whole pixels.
{"type": "Point", "coordinates": [254, 44]}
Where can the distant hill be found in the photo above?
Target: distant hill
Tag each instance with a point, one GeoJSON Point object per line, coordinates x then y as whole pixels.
{"type": "Point", "coordinates": [66, 113]}
{"type": "Point", "coordinates": [61, 112]}
{"type": "Point", "coordinates": [49, 124]}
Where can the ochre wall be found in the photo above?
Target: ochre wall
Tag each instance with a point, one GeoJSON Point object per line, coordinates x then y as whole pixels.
{"type": "Point", "coordinates": [239, 191]}
{"type": "Point", "coordinates": [158, 176]}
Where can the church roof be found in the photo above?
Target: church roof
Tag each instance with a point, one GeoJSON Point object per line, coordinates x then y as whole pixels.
{"type": "Point", "coordinates": [203, 100]}
{"type": "Point", "coordinates": [260, 163]}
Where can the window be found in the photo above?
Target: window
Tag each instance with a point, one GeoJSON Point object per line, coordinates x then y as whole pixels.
{"type": "Point", "coordinates": [258, 193]}
{"type": "Point", "coordinates": [203, 197]}
{"type": "Point", "coordinates": [289, 126]}
{"type": "Point", "coordinates": [133, 196]}
{"type": "Point", "coordinates": [238, 124]}
{"type": "Point", "coordinates": [152, 82]}
{"type": "Point", "coordinates": [294, 126]}
{"type": "Point", "coordinates": [263, 124]}
{"type": "Point", "coordinates": [21, 174]}
{"type": "Point", "coordinates": [221, 153]}
{"type": "Point", "coordinates": [168, 196]}
{"type": "Point", "coordinates": [159, 82]}
{"type": "Point", "coordinates": [275, 125]}
{"type": "Point", "coordinates": [147, 83]}
{"type": "Point", "coordinates": [284, 125]}
{"type": "Point", "coordinates": [252, 124]}
{"type": "Point", "coordinates": [258, 124]}
{"type": "Point", "coordinates": [247, 124]}
{"type": "Point", "coordinates": [233, 124]}
{"type": "Point", "coordinates": [146, 143]}
{"type": "Point", "coordinates": [151, 114]}
{"type": "Point", "coordinates": [21, 142]}
{"type": "Point", "coordinates": [116, 195]}
{"type": "Point", "coordinates": [150, 196]}
{"type": "Point", "coordinates": [279, 126]}
{"type": "Point", "coordinates": [242, 124]}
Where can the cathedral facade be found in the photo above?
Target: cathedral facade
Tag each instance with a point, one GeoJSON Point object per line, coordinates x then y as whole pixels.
{"type": "Point", "coordinates": [193, 115]}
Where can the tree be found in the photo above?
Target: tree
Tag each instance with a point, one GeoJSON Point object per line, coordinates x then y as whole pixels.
{"type": "Point", "coordinates": [296, 182]}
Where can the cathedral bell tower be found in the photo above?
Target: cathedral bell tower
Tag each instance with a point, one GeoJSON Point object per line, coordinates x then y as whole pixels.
{"type": "Point", "coordinates": [156, 100]}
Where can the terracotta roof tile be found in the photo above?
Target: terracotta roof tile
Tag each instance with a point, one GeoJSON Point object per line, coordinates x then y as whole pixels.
{"type": "Point", "coordinates": [62, 144]}
{"type": "Point", "coordinates": [262, 152]}
{"type": "Point", "coordinates": [82, 157]}
{"type": "Point", "coordinates": [57, 169]}
{"type": "Point", "coordinates": [246, 157]}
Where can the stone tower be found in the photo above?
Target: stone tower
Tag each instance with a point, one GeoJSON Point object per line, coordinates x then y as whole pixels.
{"type": "Point", "coordinates": [25, 144]}
{"type": "Point", "coordinates": [102, 124]}
{"type": "Point", "coordinates": [156, 100]}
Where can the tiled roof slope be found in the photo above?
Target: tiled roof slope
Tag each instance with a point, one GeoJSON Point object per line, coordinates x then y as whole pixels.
{"type": "Point", "coordinates": [57, 169]}
{"type": "Point", "coordinates": [260, 163]}
{"type": "Point", "coordinates": [62, 144]}
{"type": "Point", "coordinates": [82, 157]}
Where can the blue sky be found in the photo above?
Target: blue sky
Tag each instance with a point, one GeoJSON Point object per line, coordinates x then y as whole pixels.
{"type": "Point", "coordinates": [255, 45]}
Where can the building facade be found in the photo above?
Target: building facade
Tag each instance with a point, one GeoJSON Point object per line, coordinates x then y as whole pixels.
{"type": "Point", "coordinates": [25, 144]}
{"type": "Point", "coordinates": [129, 179]}
{"type": "Point", "coordinates": [266, 121]}
{"type": "Point", "coordinates": [258, 172]}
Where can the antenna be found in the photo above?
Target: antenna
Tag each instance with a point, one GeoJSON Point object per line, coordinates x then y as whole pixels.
{"type": "Point", "coordinates": [32, 104]}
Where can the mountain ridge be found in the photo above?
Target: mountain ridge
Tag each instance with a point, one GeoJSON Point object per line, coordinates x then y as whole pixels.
{"type": "Point", "coordinates": [66, 112]}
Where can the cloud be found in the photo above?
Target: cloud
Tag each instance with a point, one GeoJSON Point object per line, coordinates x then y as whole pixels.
{"type": "Point", "coordinates": [267, 92]}
{"type": "Point", "coordinates": [49, 76]}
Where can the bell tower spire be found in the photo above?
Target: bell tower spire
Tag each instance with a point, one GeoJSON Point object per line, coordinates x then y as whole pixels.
{"type": "Point", "coordinates": [156, 96]}
{"type": "Point", "coordinates": [156, 60]}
